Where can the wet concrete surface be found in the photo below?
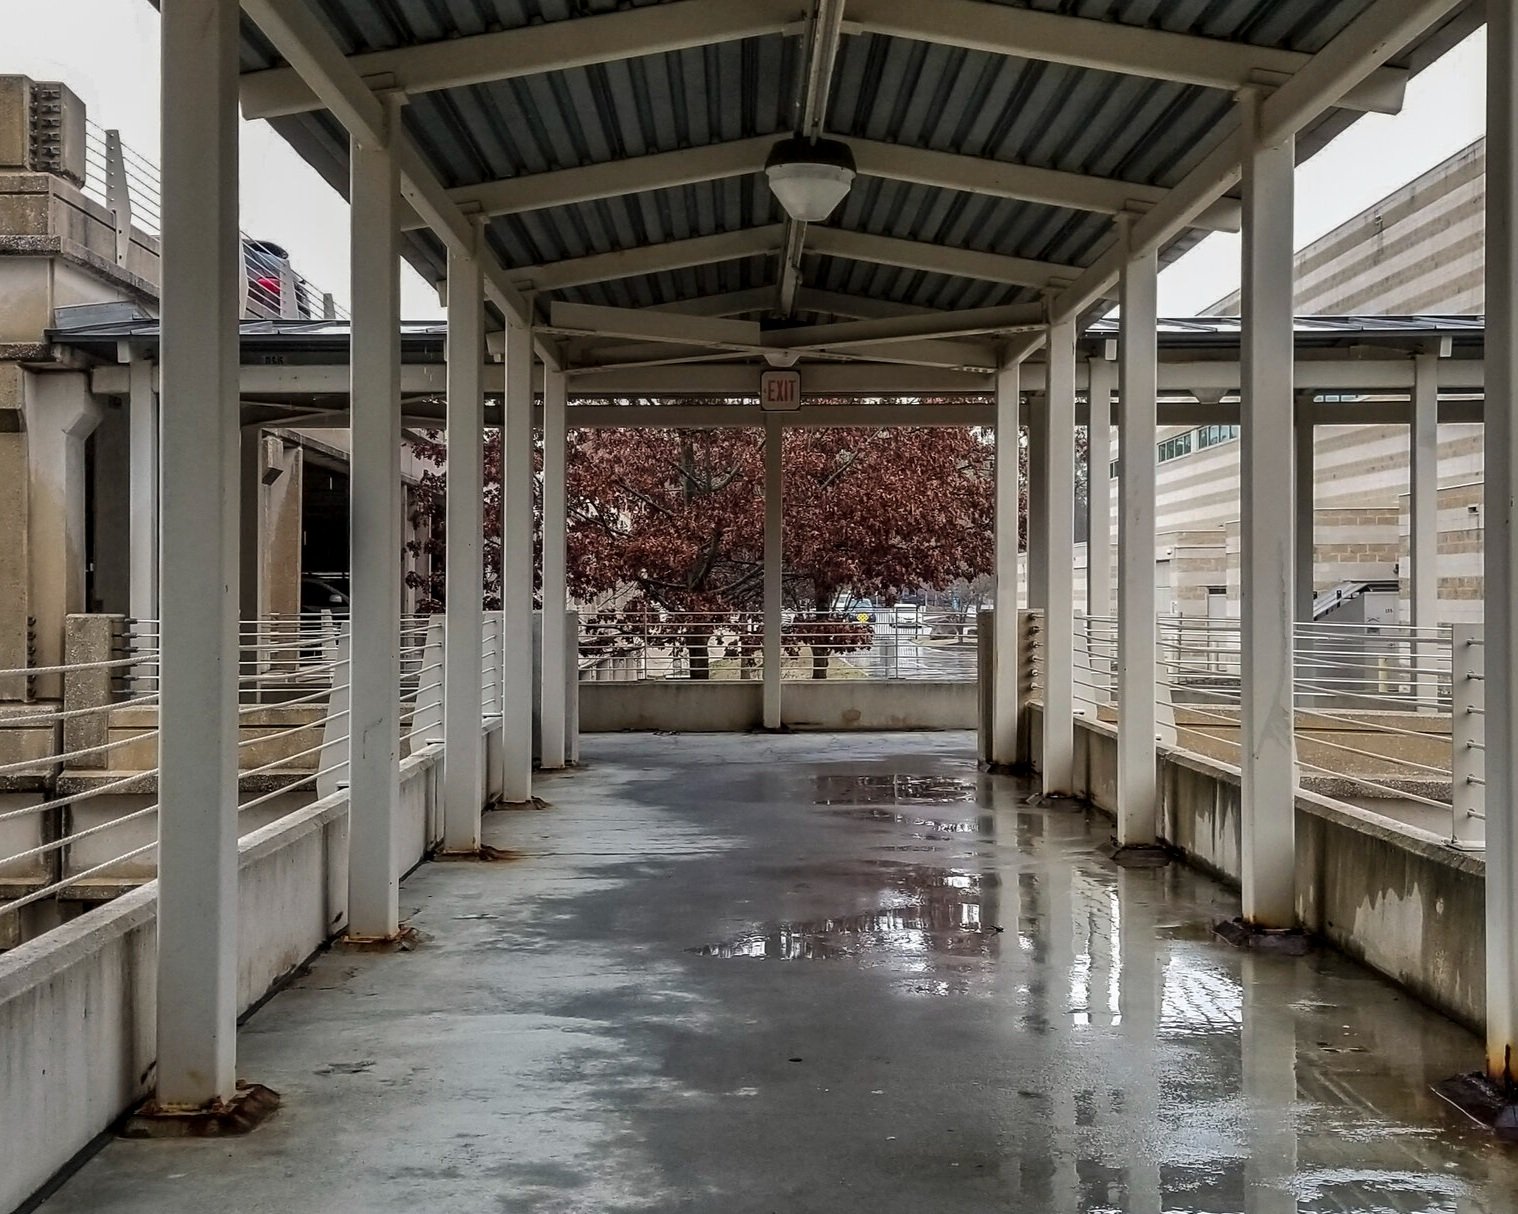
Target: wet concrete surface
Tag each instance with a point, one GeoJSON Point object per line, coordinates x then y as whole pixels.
{"type": "Point", "coordinates": [815, 973]}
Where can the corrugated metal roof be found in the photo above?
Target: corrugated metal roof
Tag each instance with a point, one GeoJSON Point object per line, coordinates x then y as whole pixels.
{"type": "Point", "coordinates": [891, 89]}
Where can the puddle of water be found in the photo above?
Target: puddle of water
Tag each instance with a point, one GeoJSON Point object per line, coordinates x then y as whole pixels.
{"type": "Point", "coordinates": [893, 789]}
{"type": "Point", "coordinates": [940, 911]}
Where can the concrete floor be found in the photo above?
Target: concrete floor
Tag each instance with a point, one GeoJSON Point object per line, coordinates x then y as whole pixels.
{"type": "Point", "coordinates": [752, 974]}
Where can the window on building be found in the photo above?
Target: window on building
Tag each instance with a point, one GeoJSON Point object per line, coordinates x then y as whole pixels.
{"type": "Point", "coordinates": [1175, 447]}
{"type": "Point", "coordinates": [1211, 436]}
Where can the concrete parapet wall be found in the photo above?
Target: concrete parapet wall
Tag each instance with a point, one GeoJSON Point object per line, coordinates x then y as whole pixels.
{"type": "Point", "coordinates": [77, 1005]}
{"type": "Point", "coordinates": [723, 706]}
{"type": "Point", "coordinates": [1393, 897]}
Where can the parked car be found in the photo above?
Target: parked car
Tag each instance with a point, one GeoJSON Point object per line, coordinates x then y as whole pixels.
{"type": "Point", "coordinates": [324, 592]}
{"type": "Point", "coordinates": [269, 272]}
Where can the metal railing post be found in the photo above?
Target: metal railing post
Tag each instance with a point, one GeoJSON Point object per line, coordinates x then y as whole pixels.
{"type": "Point", "coordinates": [118, 194]}
{"type": "Point", "coordinates": [427, 719]}
{"type": "Point", "coordinates": [332, 759]}
{"type": "Point", "coordinates": [1468, 739]}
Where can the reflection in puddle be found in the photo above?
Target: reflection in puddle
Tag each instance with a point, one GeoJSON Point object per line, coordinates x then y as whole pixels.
{"type": "Point", "coordinates": [893, 789]}
{"type": "Point", "coordinates": [937, 911]}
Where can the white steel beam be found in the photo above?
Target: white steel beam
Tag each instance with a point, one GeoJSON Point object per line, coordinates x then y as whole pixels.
{"type": "Point", "coordinates": [374, 529]}
{"type": "Point", "coordinates": [516, 566]}
{"type": "Point", "coordinates": [1022, 182]}
{"type": "Point", "coordinates": [1137, 798]}
{"type": "Point", "coordinates": [648, 324]}
{"type": "Point", "coordinates": [728, 303]}
{"type": "Point", "coordinates": [197, 741]}
{"type": "Point", "coordinates": [556, 640]}
{"type": "Point", "coordinates": [939, 259]}
{"type": "Point", "coordinates": [1057, 456]}
{"type": "Point", "coordinates": [1005, 689]}
{"type": "Point", "coordinates": [1501, 649]}
{"type": "Point", "coordinates": [967, 322]}
{"type": "Point", "coordinates": [651, 259]}
{"type": "Point", "coordinates": [1392, 374]}
{"type": "Point", "coordinates": [611, 178]}
{"type": "Point", "coordinates": [741, 379]}
{"type": "Point", "coordinates": [529, 50]}
{"type": "Point", "coordinates": [1268, 749]}
{"type": "Point", "coordinates": [859, 307]}
{"type": "Point", "coordinates": [774, 566]}
{"type": "Point", "coordinates": [979, 357]}
{"type": "Point", "coordinates": [873, 158]}
{"type": "Point", "coordinates": [1347, 62]}
{"type": "Point", "coordinates": [1107, 46]}
{"type": "Point", "coordinates": [820, 45]}
{"type": "Point", "coordinates": [810, 415]}
{"type": "Point", "coordinates": [464, 648]}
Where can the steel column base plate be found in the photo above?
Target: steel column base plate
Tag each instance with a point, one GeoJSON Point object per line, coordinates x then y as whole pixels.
{"type": "Point", "coordinates": [1484, 1102]}
{"type": "Point", "coordinates": [1138, 855]}
{"type": "Point", "coordinates": [1287, 941]}
{"type": "Point", "coordinates": [402, 942]}
{"type": "Point", "coordinates": [483, 854]}
{"type": "Point", "coordinates": [1055, 801]}
{"type": "Point", "coordinates": [245, 1111]}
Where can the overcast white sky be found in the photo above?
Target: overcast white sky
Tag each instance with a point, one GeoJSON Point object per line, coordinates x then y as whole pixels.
{"type": "Point", "coordinates": [107, 52]}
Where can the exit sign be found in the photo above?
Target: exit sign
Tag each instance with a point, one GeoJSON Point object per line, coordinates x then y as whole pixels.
{"type": "Point", "coordinates": [780, 390]}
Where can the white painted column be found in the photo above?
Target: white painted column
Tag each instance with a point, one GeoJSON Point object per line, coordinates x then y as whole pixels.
{"type": "Point", "coordinates": [556, 639]}
{"type": "Point", "coordinates": [197, 749]}
{"type": "Point", "coordinates": [1057, 457]}
{"type": "Point", "coordinates": [774, 566]}
{"type": "Point", "coordinates": [1306, 508]}
{"type": "Point", "coordinates": [374, 539]}
{"type": "Point", "coordinates": [1501, 540]}
{"type": "Point", "coordinates": [1102, 375]}
{"type": "Point", "coordinates": [1038, 502]}
{"type": "Point", "coordinates": [464, 647]}
{"type": "Point", "coordinates": [1268, 755]}
{"type": "Point", "coordinates": [142, 480]}
{"type": "Point", "coordinates": [516, 567]}
{"type": "Point", "coordinates": [1423, 462]}
{"type": "Point", "coordinates": [1423, 519]}
{"type": "Point", "coordinates": [1137, 823]}
{"type": "Point", "coordinates": [1004, 693]}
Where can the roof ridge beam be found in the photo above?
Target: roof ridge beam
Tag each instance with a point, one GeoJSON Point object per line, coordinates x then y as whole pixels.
{"type": "Point", "coordinates": [1108, 46]}
{"type": "Point", "coordinates": [532, 49]}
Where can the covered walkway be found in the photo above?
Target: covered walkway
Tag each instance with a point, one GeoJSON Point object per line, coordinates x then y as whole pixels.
{"type": "Point", "coordinates": [801, 973]}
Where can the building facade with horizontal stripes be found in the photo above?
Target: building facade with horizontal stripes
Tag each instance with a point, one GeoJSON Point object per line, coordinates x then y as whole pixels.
{"type": "Point", "coordinates": [1419, 250]}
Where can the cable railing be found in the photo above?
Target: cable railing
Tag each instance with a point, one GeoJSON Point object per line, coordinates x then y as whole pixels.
{"type": "Point", "coordinates": [1387, 717]}
{"type": "Point", "coordinates": [1095, 673]}
{"type": "Point", "coordinates": [126, 183]}
{"type": "Point", "coordinates": [78, 819]}
{"type": "Point", "coordinates": [874, 643]}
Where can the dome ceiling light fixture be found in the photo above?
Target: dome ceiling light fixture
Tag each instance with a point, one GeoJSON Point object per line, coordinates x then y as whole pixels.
{"type": "Point", "coordinates": [810, 177]}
